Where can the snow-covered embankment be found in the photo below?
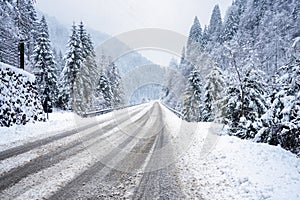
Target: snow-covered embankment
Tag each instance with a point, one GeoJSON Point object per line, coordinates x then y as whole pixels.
{"type": "Point", "coordinates": [19, 101]}
{"type": "Point", "coordinates": [235, 169]}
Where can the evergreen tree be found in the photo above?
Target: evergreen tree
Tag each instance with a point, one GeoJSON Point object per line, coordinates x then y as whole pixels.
{"type": "Point", "coordinates": [193, 97]}
{"type": "Point", "coordinates": [245, 104]}
{"type": "Point", "coordinates": [233, 102]}
{"type": "Point", "coordinates": [17, 22]}
{"type": "Point", "coordinates": [85, 84]}
{"type": "Point", "coordinates": [255, 104]}
{"type": "Point", "coordinates": [231, 23]}
{"type": "Point", "coordinates": [215, 25]}
{"type": "Point", "coordinates": [213, 93]}
{"type": "Point", "coordinates": [104, 92]}
{"type": "Point", "coordinates": [85, 42]}
{"type": "Point", "coordinates": [281, 124]}
{"type": "Point", "coordinates": [88, 72]}
{"type": "Point", "coordinates": [44, 64]}
{"type": "Point", "coordinates": [194, 46]}
{"type": "Point", "coordinates": [114, 79]}
{"type": "Point", "coordinates": [59, 60]}
{"type": "Point", "coordinates": [194, 43]}
{"type": "Point", "coordinates": [73, 61]}
{"type": "Point", "coordinates": [184, 66]}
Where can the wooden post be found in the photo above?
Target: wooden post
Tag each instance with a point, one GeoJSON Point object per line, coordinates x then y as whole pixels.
{"type": "Point", "coordinates": [21, 50]}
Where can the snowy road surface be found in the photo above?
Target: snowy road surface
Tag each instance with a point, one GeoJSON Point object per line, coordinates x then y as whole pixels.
{"type": "Point", "coordinates": [103, 159]}
{"type": "Point", "coordinates": [142, 152]}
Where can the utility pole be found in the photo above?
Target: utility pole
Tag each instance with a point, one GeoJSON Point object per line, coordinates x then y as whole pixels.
{"type": "Point", "coordinates": [21, 41]}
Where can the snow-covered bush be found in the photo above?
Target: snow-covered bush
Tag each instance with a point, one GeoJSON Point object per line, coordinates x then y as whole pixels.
{"type": "Point", "coordinates": [19, 100]}
{"type": "Point", "coordinates": [282, 121]}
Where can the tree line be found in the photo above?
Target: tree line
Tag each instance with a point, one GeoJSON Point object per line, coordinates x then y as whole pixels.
{"type": "Point", "coordinates": [76, 80]}
{"type": "Point", "coordinates": [244, 72]}
{"type": "Point", "coordinates": [81, 84]}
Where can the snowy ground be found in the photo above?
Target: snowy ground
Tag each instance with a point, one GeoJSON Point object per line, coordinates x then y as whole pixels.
{"type": "Point", "coordinates": [232, 168]}
{"type": "Point", "coordinates": [16, 135]}
{"type": "Point", "coordinates": [208, 166]}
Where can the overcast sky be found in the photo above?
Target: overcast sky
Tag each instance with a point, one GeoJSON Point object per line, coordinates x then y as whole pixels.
{"type": "Point", "coordinates": [118, 16]}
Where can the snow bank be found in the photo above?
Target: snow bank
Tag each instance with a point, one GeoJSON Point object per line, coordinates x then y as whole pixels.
{"type": "Point", "coordinates": [16, 135]}
{"type": "Point", "coordinates": [239, 169]}
{"type": "Point", "coordinates": [59, 121]}
{"type": "Point", "coordinates": [19, 100]}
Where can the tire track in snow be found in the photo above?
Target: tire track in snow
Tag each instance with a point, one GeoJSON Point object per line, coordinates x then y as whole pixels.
{"type": "Point", "coordinates": [70, 190]}
{"type": "Point", "coordinates": [105, 182]}
{"type": "Point", "coordinates": [159, 183]}
{"type": "Point", "coordinates": [15, 175]}
{"type": "Point", "coordinates": [31, 145]}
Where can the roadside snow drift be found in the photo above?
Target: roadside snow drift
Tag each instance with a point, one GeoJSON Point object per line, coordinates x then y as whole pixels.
{"type": "Point", "coordinates": [226, 167]}
{"type": "Point", "coordinates": [239, 169]}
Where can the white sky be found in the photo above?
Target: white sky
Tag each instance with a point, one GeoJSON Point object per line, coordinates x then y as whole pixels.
{"type": "Point", "coordinates": [117, 16]}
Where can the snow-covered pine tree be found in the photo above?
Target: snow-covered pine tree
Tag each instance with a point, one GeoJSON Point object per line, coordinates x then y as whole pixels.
{"type": "Point", "coordinates": [172, 92]}
{"type": "Point", "coordinates": [44, 66]}
{"type": "Point", "coordinates": [17, 22]}
{"type": "Point", "coordinates": [233, 104]}
{"type": "Point", "coordinates": [87, 74]}
{"type": "Point", "coordinates": [59, 60]}
{"type": "Point", "coordinates": [213, 93]}
{"type": "Point", "coordinates": [254, 104]}
{"type": "Point", "coordinates": [8, 36]}
{"type": "Point", "coordinates": [104, 94]}
{"type": "Point", "coordinates": [245, 103]}
{"type": "Point", "coordinates": [85, 84]}
{"type": "Point", "coordinates": [85, 41]}
{"type": "Point", "coordinates": [73, 59]}
{"type": "Point", "coordinates": [215, 25]}
{"type": "Point", "coordinates": [194, 43]}
{"type": "Point", "coordinates": [231, 23]}
{"type": "Point", "coordinates": [194, 46]}
{"type": "Point", "coordinates": [114, 79]}
{"type": "Point", "coordinates": [193, 97]}
{"type": "Point", "coordinates": [282, 121]}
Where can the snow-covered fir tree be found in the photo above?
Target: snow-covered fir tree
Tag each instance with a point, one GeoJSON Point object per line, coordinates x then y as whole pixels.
{"type": "Point", "coordinates": [193, 97]}
{"type": "Point", "coordinates": [85, 85]}
{"type": "Point", "coordinates": [59, 60]}
{"type": "Point", "coordinates": [114, 79]}
{"type": "Point", "coordinates": [232, 21]}
{"type": "Point", "coordinates": [194, 43]}
{"type": "Point", "coordinates": [86, 78]}
{"type": "Point", "coordinates": [281, 123]}
{"type": "Point", "coordinates": [254, 104]}
{"type": "Point", "coordinates": [85, 41]}
{"type": "Point", "coordinates": [215, 25]}
{"type": "Point", "coordinates": [104, 94]}
{"type": "Point", "coordinates": [73, 59]}
{"type": "Point", "coordinates": [44, 66]}
{"type": "Point", "coordinates": [213, 93]}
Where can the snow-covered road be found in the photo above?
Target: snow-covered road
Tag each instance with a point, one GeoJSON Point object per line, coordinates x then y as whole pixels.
{"type": "Point", "coordinates": [104, 159]}
{"type": "Point", "coordinates": [142, 152]}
